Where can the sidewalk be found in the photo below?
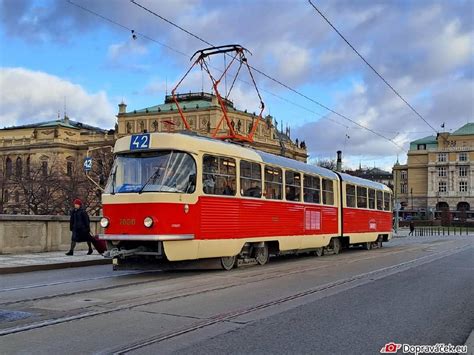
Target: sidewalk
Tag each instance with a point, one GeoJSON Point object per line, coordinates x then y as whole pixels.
{"type": "Point", "coordinates": [15, 263]}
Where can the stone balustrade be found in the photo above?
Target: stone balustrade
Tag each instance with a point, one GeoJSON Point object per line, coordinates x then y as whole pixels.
{"type": "Point", "coordinates": [32, 234]}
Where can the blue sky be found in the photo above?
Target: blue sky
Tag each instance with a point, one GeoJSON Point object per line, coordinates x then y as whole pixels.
{"type": "Point", "coordinates": [53, 51]}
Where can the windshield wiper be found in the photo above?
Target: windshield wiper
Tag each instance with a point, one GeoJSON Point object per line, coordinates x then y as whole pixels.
{"type": "Point", "coordinates": [152, 177]}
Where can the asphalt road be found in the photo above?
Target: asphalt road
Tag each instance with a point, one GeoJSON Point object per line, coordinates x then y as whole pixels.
{"type": "Point", "coordinates": [414, 291]}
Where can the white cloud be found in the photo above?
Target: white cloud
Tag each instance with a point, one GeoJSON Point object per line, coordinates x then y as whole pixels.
{"type": "Point", "coordinates": [31, 96]}
{"type": "Point", "coordinates": [124, 50]}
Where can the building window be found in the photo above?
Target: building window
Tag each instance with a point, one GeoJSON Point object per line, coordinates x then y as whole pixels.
{"type": "Point", "coordinates": [292, 186]}
{"type": "Point", "coordinates": [404, 174]}
{"type": "Point", "coordinates": [371, 199]}
{"type": "Point", "coordinates": [18, 167]}
{"type": "Point", "coordinates": [44, 168]}
{"type": "Point", "coordinates": [361, 197]}
{"type": "Point", "coordinates": [7, 196]}
{"type": "Point", "coordinates": [442, 186]}
{"type": "Point", "coordinates": [462, 186]}
{"type": "Point", "coordinates": [442, 172]}
{"type": "Point", "coordinates": [69, 168]}
{"type": "Point", "coordinates": [404, 188]}
{"type": "Point", "coordinates": [421, 147]}
{"type": "Point", "coordinates": [463, 156]}
{"type": "Point", "coordinates": [328, 192]}
{"type": "Point", "coordinates": [17, 196]}
{"type": "Point", "coordinates": [463, 171]}
{"type": "Point", "coordinates": [442, 157]}
{"type": "Point", "coordinates": [312, 189]}
{"type": "Point", "coordinates": [219, 175]}
{"type": "Point", "coordinates": [250, 179]}
{"type": "Point", "coordinates": [273, 183]}
{"type": "Point", "coordinates": [350, 196]}
{"type": "Point", "coordinates": [9, 168]}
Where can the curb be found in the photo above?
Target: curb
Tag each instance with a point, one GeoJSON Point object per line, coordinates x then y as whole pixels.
{"type": "Point", "coordinates": [55, 266]}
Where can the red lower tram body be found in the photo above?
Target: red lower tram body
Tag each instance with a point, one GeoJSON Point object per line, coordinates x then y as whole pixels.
{"type": "Point", "coordinates": [215, 227]}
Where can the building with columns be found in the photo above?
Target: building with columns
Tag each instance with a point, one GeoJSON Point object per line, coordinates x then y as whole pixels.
{"type": "Point", "coordinates": [203, 113]}
{"type": "Point", "coordinates": [32, 156]}
{"type": "Point", "coordinates": [438, 176]}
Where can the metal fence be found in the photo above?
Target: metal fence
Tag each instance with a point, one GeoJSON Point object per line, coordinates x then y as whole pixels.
{"type": "Point", "coordinates": [433, 230]}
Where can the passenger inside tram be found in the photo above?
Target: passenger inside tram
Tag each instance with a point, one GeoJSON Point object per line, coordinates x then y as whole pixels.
{"type": "Point", "coordinates": [253, 191]}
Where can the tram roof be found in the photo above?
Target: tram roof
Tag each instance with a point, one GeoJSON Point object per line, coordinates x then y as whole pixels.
{"type": "Point", "coordinates": [296, 165]}
{"type": "Point", "coordinates": [363, 182]}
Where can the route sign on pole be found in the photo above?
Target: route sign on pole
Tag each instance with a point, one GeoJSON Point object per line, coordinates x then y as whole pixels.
{"type": "Point", "coordinates": [87, 164]}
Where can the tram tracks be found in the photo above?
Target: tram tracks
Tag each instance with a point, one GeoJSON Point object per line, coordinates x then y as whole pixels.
{"type": "Point", "coordinates": [269, 269]}
{"type": "Point", "coordinates": [350, 282]}
{"type": "Point", "coordinates": [234, 282]}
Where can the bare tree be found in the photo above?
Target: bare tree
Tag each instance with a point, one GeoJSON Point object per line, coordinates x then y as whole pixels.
{"type": "Point", "coordinates": [40, 185]}
{"type": "Point", "coordinates": [50, 186]}
{"type": "Point", "coordinates": [327, 163]}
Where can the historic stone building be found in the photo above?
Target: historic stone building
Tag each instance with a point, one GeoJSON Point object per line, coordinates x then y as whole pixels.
{"type": "Point", "coordinates": [34, 156]}
{"type": "Point", "coordinates": [203, 114]}
{"type": "Point", "coordinates": [439, 175]}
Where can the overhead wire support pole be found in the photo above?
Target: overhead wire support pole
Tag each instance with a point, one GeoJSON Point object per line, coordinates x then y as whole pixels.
{"type": "Point", "coordinates": [370, 66]}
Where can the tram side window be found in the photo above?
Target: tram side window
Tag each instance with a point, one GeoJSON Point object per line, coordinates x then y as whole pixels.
{"type": "Point", "coordinates": [380, 200]}
{"type": "Point", "coordinates": [350, 196]}
{"type": "Point", "coordinates": [372, 199]}
{"type": "Point", "coordinates": [219, 175]}
{"type": "Point", "coordinates": [328, 192]}
{"type": "Point", "coordinates": [312, 189]}
{"type": "Point", "coordinates": [386, 200]}
{"type": "Point", "coordinates": [292, 185]}
{"type": "Point", "coordinates": [250, 179]}
{"type": "Point", "coordinates": [361, 197]}
{"type": "Point", "coordinates": [273, 183]}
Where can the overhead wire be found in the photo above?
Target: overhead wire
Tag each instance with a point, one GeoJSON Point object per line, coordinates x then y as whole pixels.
{"type": "Point", "coordinates": [323, 116]}
{"type": "Point", "coordinates": [371, 67]}
{"type": "Point", "coordinates": [279, 82]}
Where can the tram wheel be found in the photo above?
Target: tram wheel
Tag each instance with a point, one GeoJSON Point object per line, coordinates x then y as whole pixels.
{"type": "Point", "coordinates": [336, 245]}
{"type": "Point", "coordinates": [261, 255]}
{"type": "Point", "coordinates": [368, 245]}
{"type": "Point", "coordinates": [228, 262]}
{"type": "Point", "coordinates": [319, 252]}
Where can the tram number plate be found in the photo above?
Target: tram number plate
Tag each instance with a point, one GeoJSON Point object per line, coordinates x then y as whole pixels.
{"type": "Point", "coordinates": [140, 141]}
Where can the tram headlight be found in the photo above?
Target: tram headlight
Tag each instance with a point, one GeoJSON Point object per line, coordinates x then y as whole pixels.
{"type": "Point", "coordinates": [148, 222]}
{"type": "Point", "coordinates": [104, 222]}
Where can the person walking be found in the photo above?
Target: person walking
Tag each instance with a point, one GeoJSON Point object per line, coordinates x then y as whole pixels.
{"type": "Point", "coordinates": [79, 225]}
{"type": "Point", "coordinates": [412, 228]}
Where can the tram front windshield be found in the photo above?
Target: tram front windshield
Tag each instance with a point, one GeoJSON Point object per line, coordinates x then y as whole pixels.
{"type": "Point", "coordinates": [158, 171]}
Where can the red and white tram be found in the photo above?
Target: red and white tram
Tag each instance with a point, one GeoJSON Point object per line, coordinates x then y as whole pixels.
{"type": "Point", "coordinates": [173, 196]}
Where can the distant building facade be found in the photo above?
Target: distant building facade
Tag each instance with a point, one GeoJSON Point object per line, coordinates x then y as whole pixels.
{"type": "Point", "coordinates": [32, 156]}
{"type": "Point", "coordinates": [438, 176]}
{"type": "Point", "coordinates": [374, 174]}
